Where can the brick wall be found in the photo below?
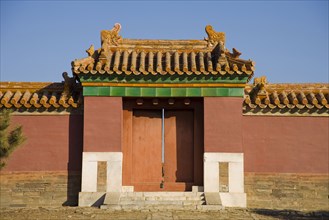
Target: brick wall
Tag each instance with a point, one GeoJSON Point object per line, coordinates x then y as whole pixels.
{"type": "Point", "coordinates": [286, 144]}
{"type": "Point", "coordinates": [34, 189]}
{"type": "Point", "coordinates": [287, 191]}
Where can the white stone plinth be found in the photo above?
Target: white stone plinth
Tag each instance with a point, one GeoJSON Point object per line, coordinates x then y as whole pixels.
{"type": "Point", "coordinates": [233, 199]}
{"type": "Point", "coordinates": [236, 196]}
{"type": "Point", "coordinates": [87, 199]}
{"type": "Point", "coordinates": [89, 171]}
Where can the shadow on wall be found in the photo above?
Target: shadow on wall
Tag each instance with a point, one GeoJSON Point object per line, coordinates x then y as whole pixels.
{"type": "Point", "coordinates": [75, 159]}
{"type": "Point", "coordinates": [292, 214]}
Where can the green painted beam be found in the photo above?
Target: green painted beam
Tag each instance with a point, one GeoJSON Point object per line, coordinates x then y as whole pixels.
{"type": "Point", "coordinates": [233, 79]}
{"type": "Point", "coordinates": [162, 92]}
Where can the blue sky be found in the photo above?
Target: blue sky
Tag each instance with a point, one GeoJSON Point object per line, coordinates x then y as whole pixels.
{"type": "Point", "coordinates": [288, 40]}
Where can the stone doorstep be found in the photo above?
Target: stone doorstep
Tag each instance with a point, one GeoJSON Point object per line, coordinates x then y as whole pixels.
{"type": "Point", "coordinates": [151, 202]}
{"type": "Point", "coordinates": [167, 198]}
{"type": "Point", "coordinates": [163, 202]}
{"type": "Point", "coordinates": [145, 200]}
{"type": "Point", "coordinates": [162, 207]}
{"type": "Point", "coordinates": [161, 194]}
{"type": "Point", "coordinates": [122, 199]}
{"type": "Point", "coordinates": [195, 198]}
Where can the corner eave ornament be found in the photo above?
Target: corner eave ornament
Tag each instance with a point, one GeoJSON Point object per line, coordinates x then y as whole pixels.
{"type": "Point", "coordinates": [214, 37]}
{"type": "Point", "coordinates": [260, 84]}
{"type": "Point", "coordinates": [111, 37]}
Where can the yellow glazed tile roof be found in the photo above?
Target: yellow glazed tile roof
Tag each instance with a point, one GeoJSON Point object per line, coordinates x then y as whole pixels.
{"type": "Point", "coordinates": [259, 97]}
{"type": "Point", "coordinates": [29, 96]}
{"type": "Point", "coordinates": [264, 97]}
{"type": "Point", "coordinates": [129, 56]}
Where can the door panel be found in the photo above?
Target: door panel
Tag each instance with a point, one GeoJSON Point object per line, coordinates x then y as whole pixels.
{"type": "Point", "coordinates": [179, 147]}
{"type": "Point", "coordinates": [146, 150]}
{"type": "Point", "coordinates": [142, 153]}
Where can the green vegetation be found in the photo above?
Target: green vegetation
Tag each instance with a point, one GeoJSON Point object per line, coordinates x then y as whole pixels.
{"type": "Point", "coordinates": [10, 139]}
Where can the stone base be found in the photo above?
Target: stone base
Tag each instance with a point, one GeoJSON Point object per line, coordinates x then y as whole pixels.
{"type": "Point", "coordinates": [212, 198]}
{"type": "Point", "coordinates": [39, 188]}
{"type": "Point", "coordinates": [95, 199]}
{"type": "Point", "coordinates": [157, 201]}
{"type": "Point", "coordinates": [233, 199]}
{"type": "Point", "coordinates": [293, 191]}
{"type": "Point", "coordinates": [112, 198]}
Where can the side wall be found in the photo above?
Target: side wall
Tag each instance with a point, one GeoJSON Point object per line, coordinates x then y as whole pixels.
{"type": "Point", "coordinates": [285, 158]}
{"type": "Point", "coordinates": [102, 143]}
{"type": "Point", "coordinates": [102, 124]}
{"type": "Point", "coordinates": [223, 124]}
{"type": "Point", "coordinates": [286, 161]}
{"type": "Point", "coordinates": [286, 144]}
{"type": "Point", "coordinates": [46, 169]}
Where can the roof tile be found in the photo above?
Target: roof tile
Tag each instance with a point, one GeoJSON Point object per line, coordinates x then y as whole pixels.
{"type": "Point", "coordinates": [264, 97]}
{"type": "Point", "coordinates": [136, 57]}
{"type": "Point", "coordinates": [41, 96]}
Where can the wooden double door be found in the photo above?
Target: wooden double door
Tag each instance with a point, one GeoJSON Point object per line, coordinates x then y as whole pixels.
{"type": "Point", "coordinates": [163, 146]}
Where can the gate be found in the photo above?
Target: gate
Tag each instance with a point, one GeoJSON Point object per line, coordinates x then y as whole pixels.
{"type": "Point", "coordinates": [162, 147]}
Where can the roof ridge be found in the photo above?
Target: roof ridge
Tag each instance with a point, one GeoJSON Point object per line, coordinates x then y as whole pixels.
{"type": "Point", "coordinates": [118, 55]}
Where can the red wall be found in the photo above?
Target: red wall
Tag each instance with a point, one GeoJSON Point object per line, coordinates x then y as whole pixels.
{"type": "Point", "coordinates": [54, 143]}
{"type": "Point", "coordinates": [269, 143]}
{"type": "Point", "coordinates": [282, 144]}
{"type": "Point", "coordinates": [286, 144]}
{"type": "Point", "coordinates": [223, 124]}
{"type": "Point", "coordinates": [102, 124]}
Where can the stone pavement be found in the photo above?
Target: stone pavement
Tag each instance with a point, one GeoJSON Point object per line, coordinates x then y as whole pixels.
{"type": "Point", "coordinates": [95, 213]}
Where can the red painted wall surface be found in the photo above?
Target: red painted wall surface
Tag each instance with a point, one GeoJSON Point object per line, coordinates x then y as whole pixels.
{"type": "Point", "coordinates": [102, 124]}
{"type": "Point", "coordinates": [286, 144]}
{"type": "Point", "coordinates": [54, 143]}
{"type": "Point", "coordinates": [223, 124]}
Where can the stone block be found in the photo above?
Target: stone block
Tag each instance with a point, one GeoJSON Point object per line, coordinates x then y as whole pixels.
{"type": "Point", "coordinates": [192, 202]}
{"type": "Point", "coordinates": [127, 188]}
{"type": "Point", "coordinates": [111, 207]}
{"type": "Point", "coordinates": [163, 202]}
{"type": "Point", "coordinates": [171, 198]}
{"type": "Point", "coordinates": [151, 198]}
{"type": "Point", "coordinates": [113, 175]}
{"type": "Point", "coordinates": [91, 199]}
{"type": "Point", "coordinates": [130, 207]}
{"type": "Point", "coordinates": [233, 199]}
{"type": "Point", "coordinates": [132, 198]}
{"type": "Point", "coordinates": [197, 189]}
{"type": "Point", "coordinates": [164, 194]}
{"type": "Point", "coordinates": [288, 191]}
{"type": "Point", "coordinates": [131, 202]}
{"type": "Point", "coordinates": [16, 194]}
{"type": "Point", "coordinates": [195, 198]}
{"type": "Point", "coordinates": [112, 198]}
{"type": "Point", "coordinates": [212, 198]}
{"type": "Point", "coordinates": [18, 205]}
{"type": "Point", "coordinates": [32, 194]}
{"type": "Point", "coordinates": [210, 207]}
